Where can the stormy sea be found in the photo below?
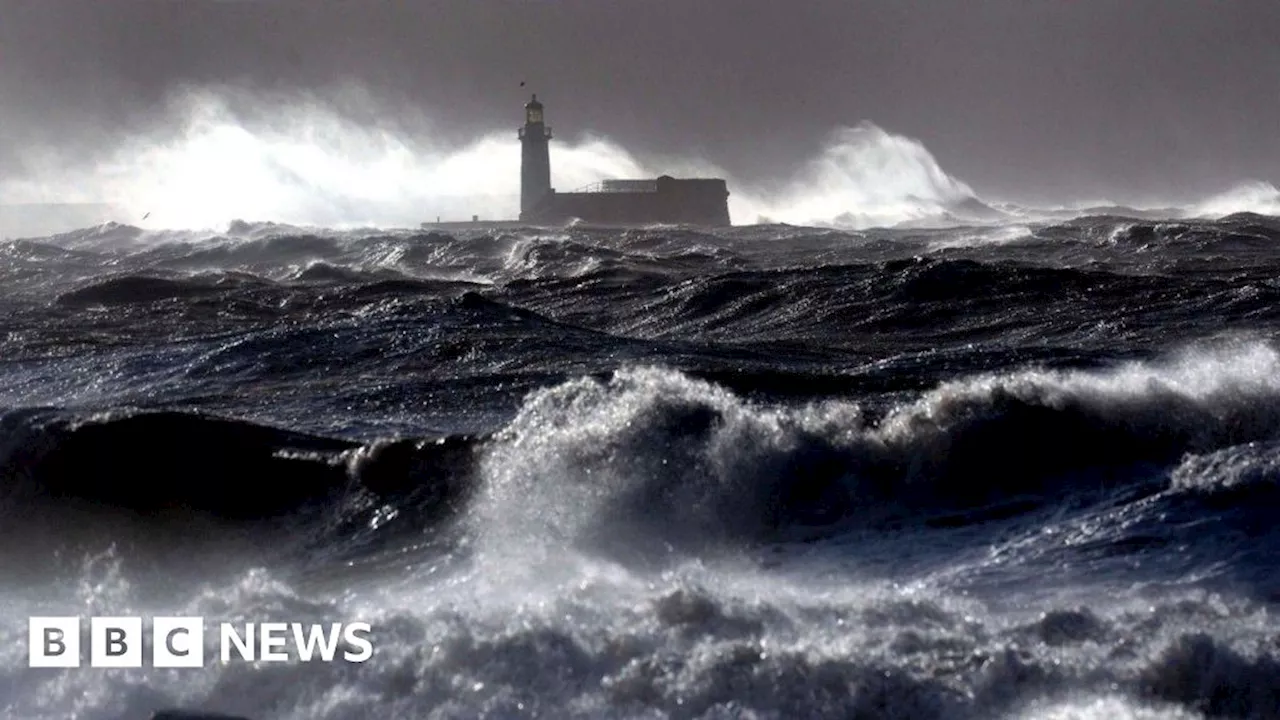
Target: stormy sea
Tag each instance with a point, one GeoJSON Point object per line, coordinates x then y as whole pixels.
{"type": "Point", "coordinates": [1012, 466]}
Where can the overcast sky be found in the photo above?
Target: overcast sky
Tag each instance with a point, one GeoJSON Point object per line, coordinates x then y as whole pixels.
{"type": "Point", "coordinates": [1022, 99]}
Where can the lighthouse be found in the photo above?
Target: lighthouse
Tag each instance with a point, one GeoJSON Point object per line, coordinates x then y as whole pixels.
{"type": "Point", "coordinates": [535, 160]}
{"type": "Point", "coordinates": [618, 202]}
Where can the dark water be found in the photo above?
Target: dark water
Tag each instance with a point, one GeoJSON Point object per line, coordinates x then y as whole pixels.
{"type": "Point", "coordinates": [761, 472]}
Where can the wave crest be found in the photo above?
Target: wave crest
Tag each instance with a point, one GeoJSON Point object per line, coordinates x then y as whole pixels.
{"type": "Point", "coordinates": [1257, 196]}
{"type": "Point", "coordinates": [651, 452]}
{"type": "Point", "coordinates": [866, 177]}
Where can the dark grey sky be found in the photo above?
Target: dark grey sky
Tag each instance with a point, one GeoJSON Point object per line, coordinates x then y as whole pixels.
{"type": "Point", "coordinates": [1025, 99]}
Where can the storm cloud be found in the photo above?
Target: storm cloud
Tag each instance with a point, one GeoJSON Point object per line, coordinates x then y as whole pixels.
{"type": "Point", "coordinates": [1025, 100]}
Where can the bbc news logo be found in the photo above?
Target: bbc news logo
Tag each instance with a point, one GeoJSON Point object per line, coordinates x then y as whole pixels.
{"type": "Point", "coordinates": [179, 642]}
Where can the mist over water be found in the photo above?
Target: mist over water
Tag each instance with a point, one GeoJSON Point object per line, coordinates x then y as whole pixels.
{"type": "Point", "coordinates": [1257, 197]}
{"type": "Point", "coordinates": [224, 155]}
{"type": "Point", "coordinates": [866, 177]}
{"type": "Point", "coordinates": [303, 162]}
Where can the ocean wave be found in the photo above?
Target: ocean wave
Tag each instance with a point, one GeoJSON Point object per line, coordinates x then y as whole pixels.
{"type": "Point", "coordinates": [158, 480]}
{"type": "Point", "coordinates": [1249, 231]}
{"type": "Point", "coordinates": [740, 645]}
{"type": "Point", "coordinates": [570, 266]}
{"type": "Point", "coordinates": [653, 453]}
{"type": "Point", "coordinates": [149, 461]}
{"type": "Point", "coordinates": [136, 289]}
{"type": "Point", "coordinates": [1256, 196]}
{"type": "Point", "coordinates": [1254, 465]}
{"type": "Point", "coordinates": [543, 602]}
{"type": "Point", "coordinates": [867, 177]}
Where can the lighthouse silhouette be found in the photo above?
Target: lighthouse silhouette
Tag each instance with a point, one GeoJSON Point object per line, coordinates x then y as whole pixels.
{"type": "Point", "coordinates": [664, 199]}
{"type": "Point", "coordinates": [535, 163]}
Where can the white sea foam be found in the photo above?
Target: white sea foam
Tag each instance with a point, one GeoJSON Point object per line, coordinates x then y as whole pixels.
{"type": "Point", "coordinates": [698, 640]}
{"type": "Point", "coordinates": [865, 176]}
{"type": "Point", "coordinates": [652, 453]}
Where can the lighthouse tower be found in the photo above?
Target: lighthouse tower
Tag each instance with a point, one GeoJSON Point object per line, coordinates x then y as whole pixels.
{"type": "Point", "coordinates": [535, 162]}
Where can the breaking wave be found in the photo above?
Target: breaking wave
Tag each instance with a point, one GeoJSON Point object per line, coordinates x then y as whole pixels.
{"type": "Point", "coordinates": [653, 453]}
{"type": "Point", "coordinates": [1258, 197]}
{"type": "Point", "coordinates": [868, 177]}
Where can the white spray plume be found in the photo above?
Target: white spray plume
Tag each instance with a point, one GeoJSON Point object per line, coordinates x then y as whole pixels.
{"type": "Point", "coordinates": [311, 165]}
{"type": "Point", "coordinates": [865, 176]}
{"type": "Point", "coordinates": [1255, 196]}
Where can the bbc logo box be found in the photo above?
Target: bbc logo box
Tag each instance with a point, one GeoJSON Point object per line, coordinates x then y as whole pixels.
{"type": "Point", "coordinates": [116, 642]}
{"type": "Point", "coordinates": [179, 642]}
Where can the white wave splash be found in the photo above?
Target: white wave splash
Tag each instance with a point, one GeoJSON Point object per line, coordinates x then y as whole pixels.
{"type": "Point", "coordinates": [653, 453]}
{"type": "Point", "coordinates": [866, 176]}
{"type": "Point", "coordinates": [309, 164]}
{"type": "Point", "coordinates": [1256, 197]}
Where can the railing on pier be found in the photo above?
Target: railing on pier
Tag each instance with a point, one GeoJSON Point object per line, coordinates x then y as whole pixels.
{"type": "Point", "coordinates": [620, 186]}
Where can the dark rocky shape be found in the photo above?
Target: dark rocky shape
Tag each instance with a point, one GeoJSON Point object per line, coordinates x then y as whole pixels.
{"type": "Point", "coordinates": [135, 289]}
{"type": "Point", "coordinates": [176, 464]}
{"type": "Point", "coordinates": [167, 460]}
